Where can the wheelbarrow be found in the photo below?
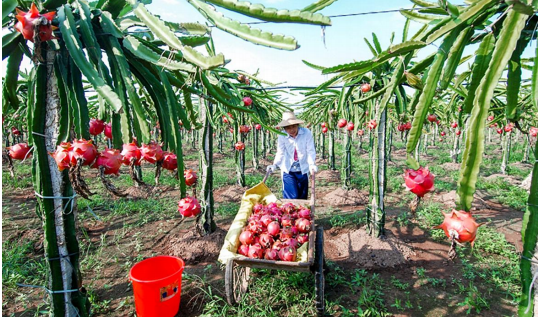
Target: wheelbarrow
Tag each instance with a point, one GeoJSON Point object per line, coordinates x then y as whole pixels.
{"type": "Point", "coordinates": [237, 273]}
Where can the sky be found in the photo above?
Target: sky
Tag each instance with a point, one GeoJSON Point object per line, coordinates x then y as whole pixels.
{"type": "Point", "coordinates": [344, 40]}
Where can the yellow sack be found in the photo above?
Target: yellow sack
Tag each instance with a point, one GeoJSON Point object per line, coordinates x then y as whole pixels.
{"type": "Point", "coordinates": [260, 193]}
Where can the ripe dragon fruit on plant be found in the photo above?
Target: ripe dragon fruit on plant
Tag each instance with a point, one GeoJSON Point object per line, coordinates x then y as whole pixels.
{"type": "Point", "coordinates": [64, 156]}
{"type": "Point", "coordinates": [189, 207]}
{"type": "Point", "coordinates": [97, 126]}
{"type": "Point", "coordinates": [152, 152]}
{"type": "Point", "coordinates": [84, 149]}
{"type": "Point", "coordinates": [19, 151]}
{"type": "Point", "coordinates": [131, 151]}
{"type": "Point", "coordinates": [111, 160]}
{"type": "Point", "coordinates": [108, 130]}
{"type": "Point", "coordinates": [239, 146]}
{"type": "Point", "coordinates": [190, 177]}
{"type": "Point", "coordinates": [419, 182]}
{"type": "Point", "coordinates": [247, 101]}
{"type": "Point", "coordinates": [461, 225]}
{"type": "Point", "coordinates": [170, 161]}
{"type": "Point", "coordinates": [342, 123]}
{"type": "Point", "coordinates": [29, 21]}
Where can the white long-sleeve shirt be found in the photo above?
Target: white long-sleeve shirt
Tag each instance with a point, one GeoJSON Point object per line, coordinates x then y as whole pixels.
{"type": "Point", "coordinates": [304, 144]}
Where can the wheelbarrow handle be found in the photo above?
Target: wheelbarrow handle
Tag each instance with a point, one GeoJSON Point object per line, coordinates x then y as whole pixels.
{"type": "Point", "coordinates": [313, 192]}
{"type": "Point", "coordinates": [266, 177]}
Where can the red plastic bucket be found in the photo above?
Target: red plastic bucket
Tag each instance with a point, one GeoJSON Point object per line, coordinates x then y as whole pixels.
{"type": "Point", "coordinates": [157, 285]}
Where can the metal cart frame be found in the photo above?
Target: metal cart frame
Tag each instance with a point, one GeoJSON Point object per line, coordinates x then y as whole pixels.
{"type": "Point", "coordinates": [237, 273]}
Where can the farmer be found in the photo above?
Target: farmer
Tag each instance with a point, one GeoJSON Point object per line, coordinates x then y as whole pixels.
{"type": "Point", "coordinates": [295, 156]}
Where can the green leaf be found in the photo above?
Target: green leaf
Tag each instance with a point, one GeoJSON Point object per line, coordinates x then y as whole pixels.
{"type": "Point", "coordinates": [479, 68]}
{"type": "Point", "coordinates": [108, 24]}
{"type": "Point", "coordinates": [475, 137]}
{"type": "Point", "coordinates": [140, 126]}
{"type": "Point", "coordinates": [12, 75]}
{"type": "Point", "coordinates": [405, 30]}
{"type": "Point", "coordinates": [364, 66]}
{"type": "Point", "coordinates": [245, 31]}
{"type": "Point", "coordinates": [477, 7]}
{"type": "Point", "coordinates": [463, 76]}
{"type": "Point", "coordinates": [325, 85]}
{"type": "Point", "coordinates": [521, 7]}
{"type": "Point", "coordinates": [164, 33]}
{"type": "Point", "coordinates": [418, 17]}
{"type": "Point", "coordinates": [258, 11]}
{"type": "Point", "coordinates": [257, 79]}
{"type": "Point", "coordinates": [529, 245]}
{"type": "Point", "coordinates": [424, 4]}
{"type": "Point", "coordinates": [318, 5]}
{"type": "Point", "coordinates": [399, 49]}
{"type": "Point", "coordinates": [114, 7]}
{"type": "Point", "coordinates": [218, 96]}
{"type": "Point", "coordinates": [454, 57]}
{"type": "Point", "coordinates": [373, 51]}
{"type": "Point", "coordinates": [514, 73]}
{"type": "Point", "coordinates": [534, 79]}
{"type": "Point", "coordinates": [7, 7]}
{"type": "Point", "coordinates": [10, 43]}
{"type": "Point", "coordinates": [314, 66]}
{"type": "Point", "coordinates": [371, 96]}
{"type": "Point", "coordinates": [423, 64]}
{"type": "Point", "coordinates": [79, 104]}
{"type": "Point", "coordinates": [72, 42]}
{"type": "Point", "coordinates": [376, 44]}
{"type": "Point", "coordinates": [87, 32]}
{"type": "Point", "coordinates": [427, 95]}
{"type": "Point", "coordinates": [191, 28]}
{"type": "Point", "coordinates": [143, 52]}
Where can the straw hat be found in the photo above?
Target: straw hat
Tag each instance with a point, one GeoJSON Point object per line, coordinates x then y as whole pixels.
{"type": "Point", "coordinates": [289, 118]}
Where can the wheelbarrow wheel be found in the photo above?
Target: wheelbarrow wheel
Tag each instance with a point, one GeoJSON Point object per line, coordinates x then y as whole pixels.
{"type": "Point", "coordinates": [319, 279]}
{"type": "Point", "coordinates": [236, 281]}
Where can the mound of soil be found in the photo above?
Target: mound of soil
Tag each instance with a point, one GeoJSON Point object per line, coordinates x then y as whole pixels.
{"type": "Point", "coordinates": [508, 178]}
{"type": "Point", "coordinates": [341, 197]}
{"type": "Point", "coordinates": [194, 249]}
{"type": "Point", "coordinates": [232, 193]}
{"type": "Point", "coordinates": [328, 176]}
{"type": "Point", "coordinates": [451, 166]}
{"type": "Point", "coordinates": [449, 199]}
{"type": "Point", "coordinates": [358, 248]}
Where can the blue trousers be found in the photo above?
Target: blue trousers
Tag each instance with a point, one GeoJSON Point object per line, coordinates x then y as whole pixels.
{"type": "Point", "coordinates": [295, 185]}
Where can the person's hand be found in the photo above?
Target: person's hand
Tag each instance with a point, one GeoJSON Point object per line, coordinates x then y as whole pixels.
{"type": "Point", "coordinates": [271, 168]}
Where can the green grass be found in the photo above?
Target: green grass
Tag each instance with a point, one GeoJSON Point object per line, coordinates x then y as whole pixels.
{"type": "Point", "coordinates": [18, 266]}
{"type": "Point", "coordinates": [505, 193]}
{"type": "Point", "coordinates": [23, 176]}
{"type": "Point", "coordinates": [490, 268]}
{"type": "Point", "coordinates": [271, 294]}
{"type": "Point", "coordinates": [227, 209]}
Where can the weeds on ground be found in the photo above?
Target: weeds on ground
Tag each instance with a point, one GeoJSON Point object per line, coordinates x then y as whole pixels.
{"type": "Point", "coordinates": [505, 193]}
{"type": "Point", "coordinates": [23, 176]}
{"type": "Point", "coordinates": [271, 294]}
{"type": "Point", "coordinates": [18, 267]}
{"type": "Point", "coordinates": [227, 209]}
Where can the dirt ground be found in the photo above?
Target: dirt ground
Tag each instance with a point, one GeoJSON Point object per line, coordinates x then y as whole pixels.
{"type": "Point", "coordinates": [397, 255]}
